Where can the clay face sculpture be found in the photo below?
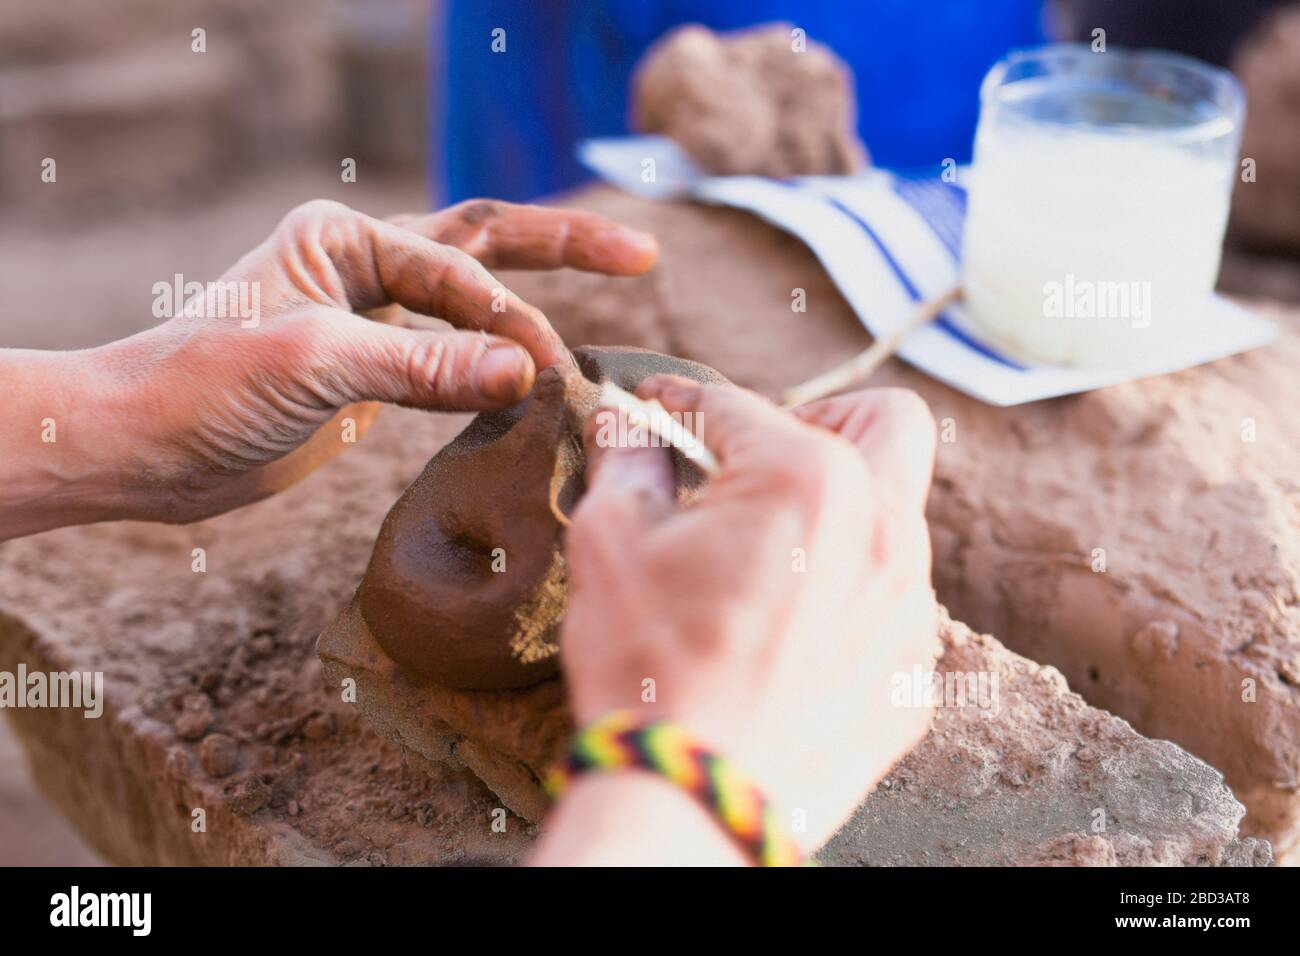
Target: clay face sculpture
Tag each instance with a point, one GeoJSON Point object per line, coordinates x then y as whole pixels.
{"type": "Point", "coordinates": [466, 585]}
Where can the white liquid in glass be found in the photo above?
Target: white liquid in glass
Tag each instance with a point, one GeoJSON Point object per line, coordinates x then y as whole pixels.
{"type": "Point", "coordinates": [1091, 245]}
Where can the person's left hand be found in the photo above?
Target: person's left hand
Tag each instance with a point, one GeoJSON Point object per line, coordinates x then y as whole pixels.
{"type": "Point", "coordinates": [206, 412]}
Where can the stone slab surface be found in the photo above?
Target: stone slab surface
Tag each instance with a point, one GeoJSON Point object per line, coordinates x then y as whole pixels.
{"type": "Point", "coordinates": [215, 700]}
{"type": "Point", "coordinates": [1037, 778]}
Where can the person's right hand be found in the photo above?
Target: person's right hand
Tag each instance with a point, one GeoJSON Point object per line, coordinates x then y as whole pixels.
{"type": "Point", "coordinates": [773, 612]}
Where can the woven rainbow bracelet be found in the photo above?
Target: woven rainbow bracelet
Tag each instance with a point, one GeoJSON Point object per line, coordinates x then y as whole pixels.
{"type": "Point", "coordinates": [620, 741]}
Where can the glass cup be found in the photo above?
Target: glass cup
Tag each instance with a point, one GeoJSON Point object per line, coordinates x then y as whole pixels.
{"type": "Point", "coordinates": [1098, 202]}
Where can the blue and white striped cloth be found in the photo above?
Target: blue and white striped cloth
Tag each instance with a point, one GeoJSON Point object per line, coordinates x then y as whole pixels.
{"type": "Point", "coordinates": [889, 242]}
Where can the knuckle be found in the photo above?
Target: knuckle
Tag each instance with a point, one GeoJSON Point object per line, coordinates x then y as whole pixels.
{"type": "Point", "coordinates": [458, 274]}
{"type": "Point", "coordinates": [459, 264]}
{"type": "Point", "coordinates": [305, 358]}
{"type": "Point", "coordinates": [314, 211]}
{"type": "Point", "coordinates": [322, 222]}
{"type": "Point", "coordinates": [455, 267]}
{"type": "Point", "coordinates": [302, 336]}
{"type": "Point", "coordinates": [908, 409]}
{"type": "Point", "coordinates": [475, 211]}
{"type": "Point", "coordinates": [430, 366]}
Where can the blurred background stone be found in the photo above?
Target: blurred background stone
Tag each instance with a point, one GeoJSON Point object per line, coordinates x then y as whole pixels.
{"type": "Point", "coordinates": [174, 161]}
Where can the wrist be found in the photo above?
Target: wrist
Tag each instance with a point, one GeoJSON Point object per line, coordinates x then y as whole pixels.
{"type": "Point", "coordinates": [633, 818]}
{"type": "Point", "coordinates": [623, 741]}
{"type": "Point", "coordinates": [65, 436]}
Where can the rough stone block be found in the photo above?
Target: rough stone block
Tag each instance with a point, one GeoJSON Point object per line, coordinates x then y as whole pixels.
{"type": "Point", "coordinates": [214, 701]}
{"type": "Point", "coordinates": [1038, 777]}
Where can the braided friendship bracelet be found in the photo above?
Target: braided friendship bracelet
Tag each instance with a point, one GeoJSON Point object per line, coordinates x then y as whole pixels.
{"type": "Point", "coordinates": [620, 741]}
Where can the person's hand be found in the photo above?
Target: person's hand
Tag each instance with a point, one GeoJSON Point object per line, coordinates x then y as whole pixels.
{"type": "Point", "coordinates": [208, 412]}
{"type": "Point", "coordinates": [772, 613]}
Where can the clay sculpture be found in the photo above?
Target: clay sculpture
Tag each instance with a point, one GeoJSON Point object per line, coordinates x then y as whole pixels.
{"type": "Point", "coordinates": [466, 585]}
{"type": "Point", "coordinates": [765, 101]}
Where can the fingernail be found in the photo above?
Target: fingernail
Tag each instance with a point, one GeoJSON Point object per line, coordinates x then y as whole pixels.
{"type": "Point", "coordinates": [652, 387]}
{"type": "Point", "coordinates": [642, 240]}
{"type": "Point", "coordinates": [646, 245]}
{"type": "Point", "coordinates": [638, 250]}
{"type": "Point", "coordinates": [678, 394]}
{"type": "Point", "coordinates": [501, 374]}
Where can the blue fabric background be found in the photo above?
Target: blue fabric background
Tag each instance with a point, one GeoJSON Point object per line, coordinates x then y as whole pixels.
{"type": "Point", "coordinates": [505, 124]}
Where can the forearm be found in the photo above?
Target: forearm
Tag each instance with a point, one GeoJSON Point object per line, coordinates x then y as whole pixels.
{"type": "Point", "coordinates": [632, 818]}
{"type": "Point", "coordinates": [59, 441]}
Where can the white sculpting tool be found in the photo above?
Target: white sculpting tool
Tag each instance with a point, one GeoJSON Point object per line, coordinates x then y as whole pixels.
{"type": "Point", "coordinates": [655, 419]}
{"type": "Point", "coordinates": [859, 368]}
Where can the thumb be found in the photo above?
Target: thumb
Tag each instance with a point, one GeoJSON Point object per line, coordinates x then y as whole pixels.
{"type": "Point", "coordinates": [436, 370]}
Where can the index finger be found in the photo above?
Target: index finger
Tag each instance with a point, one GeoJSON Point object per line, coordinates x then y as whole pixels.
{"type": "Point", "coordinates": [375, 263]}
